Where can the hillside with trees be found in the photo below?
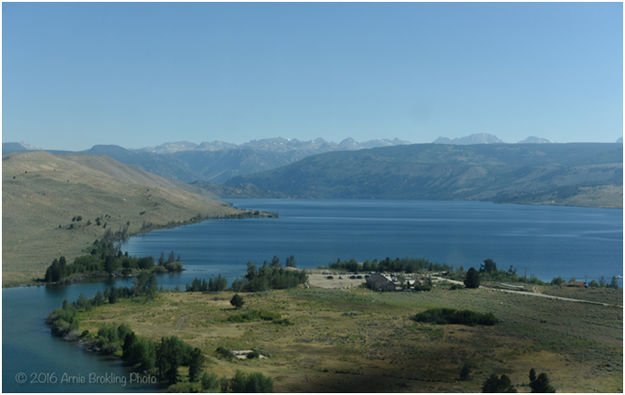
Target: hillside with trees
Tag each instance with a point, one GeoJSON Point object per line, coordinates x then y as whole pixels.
{"type": "Point", "coordinates": [58, 205]}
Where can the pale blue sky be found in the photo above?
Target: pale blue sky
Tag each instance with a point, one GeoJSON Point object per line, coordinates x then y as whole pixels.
{"type": "Point", "coordinates": [75, 75]}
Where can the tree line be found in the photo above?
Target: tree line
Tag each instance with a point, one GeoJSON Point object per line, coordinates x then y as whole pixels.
{"type": "Point", "coordinates": [488, 271]}
{"type": "Point", "coordinates": [106, 258]}
{"type": "Point", "coordinates": [407, 265]}
{"type": "Point", "coordinates": [268, 276]}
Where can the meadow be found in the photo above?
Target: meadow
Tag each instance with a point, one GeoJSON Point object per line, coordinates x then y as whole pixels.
{"type": "Point", "coordinates": [357, 340]}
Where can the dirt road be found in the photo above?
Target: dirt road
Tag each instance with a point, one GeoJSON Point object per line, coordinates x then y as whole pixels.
{"type": "Point", "coordinates": [532, 294]}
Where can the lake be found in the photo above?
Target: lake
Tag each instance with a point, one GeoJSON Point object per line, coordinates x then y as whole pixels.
{"type": "Point", "coordinates": [545, 241]}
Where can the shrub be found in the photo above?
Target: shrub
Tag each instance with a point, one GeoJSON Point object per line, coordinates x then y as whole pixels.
{"type": "Point", "coordinates": [465, 372]}
{"type": "Point", "coordinates": [237, 301]}
{"type": "Point", "coordinates": [209, 382]}
{"type": "Point", "coordinates": [443, 316]}
{"type": "Point", "coordinates": [182, 388]}
{"type": "Point", "coordinates": [254, 315]}
{"type": "Point", "coordinates": [495, 384]}
{"type": "Point", "coordinates": [284, 321]}
{"type": "Point", "coordinates": [224, 352]}
{"type": "Point", "coordinates": [252, 382]}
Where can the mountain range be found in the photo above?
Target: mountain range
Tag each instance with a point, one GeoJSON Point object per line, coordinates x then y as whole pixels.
{"type": "Point", "coordinates": [277, 144]}
{"type": "Point", "coordinates": [477, 167]}
{"type": "Point", "coordinates": [577, 173]}
{"type": "Point", "coordinates": [218, 161]}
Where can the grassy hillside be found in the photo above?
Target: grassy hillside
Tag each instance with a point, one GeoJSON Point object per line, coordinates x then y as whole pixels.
{"type": "Point", "coordinates": [43, 195]}
{"type": "Point", "coordinates": [363, 341]}
{"type": "Point", "coordinates": [586, 174]}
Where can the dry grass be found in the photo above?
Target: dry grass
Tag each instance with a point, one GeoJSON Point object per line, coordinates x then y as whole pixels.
{"type": "Point", "coordinates": [41, 192]}
{"type": "Point", "coordinates": [358, 340]}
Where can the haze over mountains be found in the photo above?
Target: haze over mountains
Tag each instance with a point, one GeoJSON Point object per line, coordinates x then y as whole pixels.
{"type": "Point", "coordinates": [475, 167]}
{"type": "Point", "coordinates": [218, 161]}
{"type": "Point", "coordinates": [576, 174]}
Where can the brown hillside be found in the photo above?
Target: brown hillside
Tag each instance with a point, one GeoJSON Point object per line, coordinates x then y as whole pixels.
{"type": "Point", "coordinates": [42, 193]}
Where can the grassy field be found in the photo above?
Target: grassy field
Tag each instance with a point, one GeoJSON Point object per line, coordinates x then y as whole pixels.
{"type": "Point", "coordinates": [358, 340]}
{"type": "Point", "coordinates": [42, 193]}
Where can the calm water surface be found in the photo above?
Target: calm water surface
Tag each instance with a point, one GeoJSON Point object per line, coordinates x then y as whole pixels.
{"type": "Point", "coordinates": [543, 241]}
{"type": "Point", "coordinates": [539, 240]}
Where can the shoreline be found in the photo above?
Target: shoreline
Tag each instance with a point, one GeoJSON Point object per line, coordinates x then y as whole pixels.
{"type": "Point", "coordinates": [242, 214]}
{"type": "Point", "coordinates": [516, 203]}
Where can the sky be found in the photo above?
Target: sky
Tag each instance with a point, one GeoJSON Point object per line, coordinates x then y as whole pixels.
{"type": "Point", "coordinates": [140, 74]}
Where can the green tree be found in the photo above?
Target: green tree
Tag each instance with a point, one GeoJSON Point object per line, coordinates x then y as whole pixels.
{"type": "Point", "coordinates": [498, 384]}
{"type": "Point", "coordinates": [237, 301]}
{"type": "Point", "coordinates": [275, 261]}
{"type": "Point", "coordinates": [290, 261]}
{"type": "Point", "coordinates": [614, 283]}
{"type": "Point", "coordinates": [489, 266]}
{"type": "Point", "coordinates": [472, 279]}
{"type": "Point", "coordinates": [557, 281]}
{"type": "Point", "coordinates": [195, 364]}
{"type": "Point", "coordinates": [593, 284]}
{"type": "Point", "coordinates": [110, 264]}
{"type": "Point", "coordinates": [532, 375]}
{"type": "Point", "coordinates": [541, 384]}
{"type": "Point", "coordinates": [170, 356]}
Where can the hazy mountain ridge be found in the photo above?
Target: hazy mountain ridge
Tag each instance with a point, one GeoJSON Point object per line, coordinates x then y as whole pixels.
{"type": "Point", "coordinates": [535, 140]}
{"type": "Point", "coordinates": [476, 138]}
{"type": "Point", "coordinates": [277, 144]}
{"type": "Point", "coordinates": [218, 161]}
{"type": "Point", "coordinates": [486, 138]}
{"type": "Point", "coordinates": [550, 173]}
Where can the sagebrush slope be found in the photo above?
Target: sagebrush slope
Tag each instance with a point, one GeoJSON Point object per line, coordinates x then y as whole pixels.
{"type": "Point", "coordinates": [43, 195]}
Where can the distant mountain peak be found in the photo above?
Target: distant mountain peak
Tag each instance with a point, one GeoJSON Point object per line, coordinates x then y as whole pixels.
{"type": "Point", "coordinates": [475, 138]}
{"type": "Point", "coordinates": [535, 140]}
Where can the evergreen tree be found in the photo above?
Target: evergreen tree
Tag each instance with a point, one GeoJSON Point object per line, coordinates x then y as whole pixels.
{"type": "Point", "coordinates": [489, 266]}
{"type": "Point", "coordinates": [195, 364]}
{"type": "Point", "coordinates": [541, 383]}
{"type": "Point", "coordinates": [532, 375]}
{"type": "Point", "coordinates": [614, 283]}
{"type": "Point", "coordinates": [472, 279]}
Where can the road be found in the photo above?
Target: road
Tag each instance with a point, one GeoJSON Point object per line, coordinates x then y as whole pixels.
{"type": "Point", "coordinates": [531, 293]}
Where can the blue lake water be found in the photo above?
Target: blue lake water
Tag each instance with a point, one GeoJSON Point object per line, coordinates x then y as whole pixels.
{"type": "Point", "coordinates": [543, 241]}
